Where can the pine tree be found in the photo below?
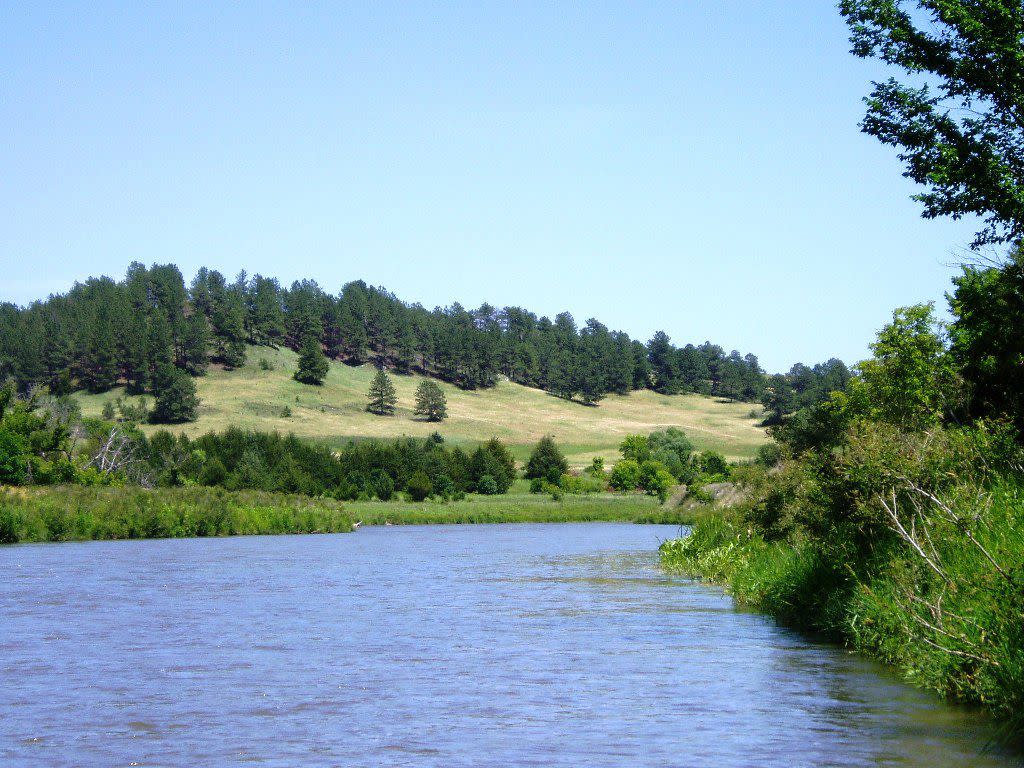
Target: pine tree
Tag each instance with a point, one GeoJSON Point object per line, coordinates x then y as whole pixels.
{"type": "Point", "coordinates": [134, 344]}
{"type": "Point", "coordinates": [266, 318]}
{"type": "Point", "coordinates": [494, 461]}
{"type": "Point", "coordinates": [158, 353]}
{"type": "Point", "coordinates": [382, 395]}
{"type": "Point", "coordinates": [101, 369]}
{"type": "Point", "coordinates": [229, 333]}
{"type": "Point", "coordinates": [547, 462]}
{"type": "Point", "coordinates": [430, 401]}
{"type": "Point", "coordinates": [59, 356]}
{"type": "Point", "coordinates": [194, 345]}
{"type": "Point", "coordinates": [176, 402]}
{"type": "Point", "coordinates": [313, 365]}
{"type": "Point", "coordinates": [353, 334]}
{"type": "Point", "coordinates": [663, 364]}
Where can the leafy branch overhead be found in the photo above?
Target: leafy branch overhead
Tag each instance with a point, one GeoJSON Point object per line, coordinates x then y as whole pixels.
{"type": "Point", "coordinates": [959, 125]}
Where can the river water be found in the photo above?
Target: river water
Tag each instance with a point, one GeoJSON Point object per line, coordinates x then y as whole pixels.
{"type": "Point", "coordinates": [506, 645]}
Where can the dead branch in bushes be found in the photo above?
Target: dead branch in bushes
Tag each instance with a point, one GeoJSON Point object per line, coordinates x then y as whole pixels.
{"type": "Point", "coordinates": [937, 626]}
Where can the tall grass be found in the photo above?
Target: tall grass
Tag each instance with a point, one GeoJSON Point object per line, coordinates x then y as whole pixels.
{"type": "Point", "coordinates": [955, 625]}
{"type": "Point", "coordinates": [76, 513]}
{"type": "Point", "coordinates": [515, 508]}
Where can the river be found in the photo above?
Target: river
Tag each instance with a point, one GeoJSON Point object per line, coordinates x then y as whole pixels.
{"type": "Point", "coordinates": [489, 645]}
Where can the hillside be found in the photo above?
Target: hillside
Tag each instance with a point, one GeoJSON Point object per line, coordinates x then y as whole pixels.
{"type": "Point", "coordinates": [255, 398]}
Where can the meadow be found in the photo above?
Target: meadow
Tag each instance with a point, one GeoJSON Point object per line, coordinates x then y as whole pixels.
{"type": "Point", "coordinates": [264, 396]}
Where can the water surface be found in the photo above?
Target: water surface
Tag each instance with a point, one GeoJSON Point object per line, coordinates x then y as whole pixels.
{"type": "Point", "coordinates": [508, 645]}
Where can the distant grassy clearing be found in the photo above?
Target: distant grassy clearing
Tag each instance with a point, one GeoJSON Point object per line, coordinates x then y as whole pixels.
{"type": "Point", "coordinates": [254, 398]}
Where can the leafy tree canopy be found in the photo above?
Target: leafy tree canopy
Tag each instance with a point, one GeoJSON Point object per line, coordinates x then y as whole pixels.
{"type": "Point", "coordinates": [960, 126]}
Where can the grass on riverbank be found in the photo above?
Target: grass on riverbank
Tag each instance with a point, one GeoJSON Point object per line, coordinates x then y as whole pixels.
{"type": "Point", "coordinates": [76, 513]}
{"type": "Point", "coordinates": [955, 625]}
{"type": "Point", "coordinates": [515, 508]}
{"type": "Point", "coordinates": [254, 398]}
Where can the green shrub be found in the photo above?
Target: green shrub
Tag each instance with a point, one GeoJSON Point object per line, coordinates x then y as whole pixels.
{"type": "Point", "coordinates": [487, 486]}
{"type": "Point", "coordinates": [655, 479]}
{"type": "Point", "coordinates": [66, 513]}
{"type": "Point", "coordinates": [546, 462]}
{"type": "Point", "coordinates": [712, 463]}
{"type": "Point", "coordinates": [579, 484]}
{"type": "Point", "coordinates": [419, 487]}
{"type": "Point", "coordinates": [382, 485]}
{"type": "Point", "coordinates": [625, 475]}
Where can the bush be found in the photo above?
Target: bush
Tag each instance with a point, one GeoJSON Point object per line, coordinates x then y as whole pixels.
{"type": "Point", "coordinates": [769, 454]}
{"type": "Point", "coordinates": [635, 448]}
{"type": "Point", "coordinates": [14, 457]}
{"type": "Point", "coordinates": [712, 463]}
{"type": "Point", "coordinates": [487, 486]}
{"type": "Point", "coordinates": [656, 480]}
{"type": "Point", "coordinates": [382, 486]}
{"type": "Point", "coordinates": [493, 460]}
{"type": "Point", "coordinates": [546, 462]}
{"type": "Point", "coordinates": [576, 484]}
{"type": "Point", "coordinates": [176, 402]}
{"type": "Point", "coordinates": [672, 448]}
{"type": "Point", "coordinates": [419, 487]}
{"type": "Point", "coordinates": [445, 487]}
{"type": "Point", "coordinates": [625, 475]}
{"type": "Point", "coordinates": [136, 413]}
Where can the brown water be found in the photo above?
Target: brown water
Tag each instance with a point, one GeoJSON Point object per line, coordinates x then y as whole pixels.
{"type": "Point", "coordinates": [517, 645]}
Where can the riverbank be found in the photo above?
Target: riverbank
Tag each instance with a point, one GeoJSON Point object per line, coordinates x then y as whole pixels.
{"type": "Point", "coordinates": [956, 628]}
{"type": "Point", "coordinates": [515, 508]}
{"type": "Point", "coordinates": [77, 513]}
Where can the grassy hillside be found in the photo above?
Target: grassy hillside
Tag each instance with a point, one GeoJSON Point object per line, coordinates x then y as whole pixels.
{"type": "Point", "coordinates": [255, 398]}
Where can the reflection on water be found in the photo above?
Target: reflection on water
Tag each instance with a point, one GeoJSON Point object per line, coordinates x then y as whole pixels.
{"type": "Point", "coordinates": [547, 645]}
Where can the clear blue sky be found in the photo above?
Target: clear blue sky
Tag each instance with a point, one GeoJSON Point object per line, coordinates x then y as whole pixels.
{"type": "Point", "coordinates": [688, 166]}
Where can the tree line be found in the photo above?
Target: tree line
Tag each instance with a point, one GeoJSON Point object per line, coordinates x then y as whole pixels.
{"type": "Point", "coordinates": [143, 330]}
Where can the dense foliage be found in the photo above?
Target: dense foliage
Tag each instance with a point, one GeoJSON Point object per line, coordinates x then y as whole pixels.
{"type": "Point", "coordinates": [238, 459]}
{"type": "Point", "coordinates": [988, 338]}
{"type": "Point", "coordinates": [105, 332]}
{"type": "Point", "coordinates": [891, 516]}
